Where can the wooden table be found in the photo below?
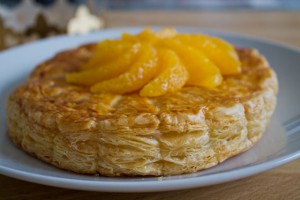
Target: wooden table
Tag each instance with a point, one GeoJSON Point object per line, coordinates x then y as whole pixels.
{"type": "Point", "coordinates": [280, 183]}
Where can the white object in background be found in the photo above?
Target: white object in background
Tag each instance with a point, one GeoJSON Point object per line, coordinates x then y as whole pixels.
{"type": "Point", "coordinates": [84, 22]}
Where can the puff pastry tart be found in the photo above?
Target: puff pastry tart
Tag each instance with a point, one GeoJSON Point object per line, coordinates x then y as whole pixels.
{"type": "Point", "coordinates": [127, 133]}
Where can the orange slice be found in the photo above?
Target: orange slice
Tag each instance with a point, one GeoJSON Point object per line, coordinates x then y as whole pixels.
{"type": "Point", "coordinates": [172, 78]}
{"type": "Point", "coordinates": [107, 71]}
{"type": "Point", "coordinates": [105, 52]}
{"type": "Point", "coordinates": [127, 37]}
{"type": "Point", "coordinates": [166, 33]}
{"type": "Point", "coordinates": [140, 73]}
{"type": "Point", "coordinates": [202, 72]}
{"type": "Point", "coordinates": [222, 55]}
{"type": "Point", "coordinates": [149, 36]}
{"type": "Point", "coordinates": [221, 43]}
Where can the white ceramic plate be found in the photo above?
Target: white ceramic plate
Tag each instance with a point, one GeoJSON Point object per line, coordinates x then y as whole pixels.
{"type": "Point", "coordinates": [279, 145]}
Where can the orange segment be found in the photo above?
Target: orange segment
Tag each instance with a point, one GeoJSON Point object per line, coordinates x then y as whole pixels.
{"type": "Point", "coordinates": [105, 52]}
{"type": "Point", "coordinates": [166, 33]}
{"type": "Point", "coordinates": [141, 72]}
{"type": "Point", "coordinates": [218, 41]}
{"type": "Point", "coordinates": [202, 72]}
{"type": "Point", "coordinates": [127, 37]}
{"type": "Point", "coordinates": [107, 71]}
{"type": "Point", "coordinates": [221, 43]}
{"type": "Point", "coordinates": [224, 57]}
{"type": "Point", "coordinates": [148, 36]}
{"type": "Point", "coordinates": [172, 78]}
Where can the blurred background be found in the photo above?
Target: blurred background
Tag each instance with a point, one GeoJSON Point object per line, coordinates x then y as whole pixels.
{"type": "Point", "coordinates": [27, 20]}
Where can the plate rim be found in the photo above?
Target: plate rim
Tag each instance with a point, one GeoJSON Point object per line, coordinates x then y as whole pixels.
{"type": "Point", "coordinates": [178, 28]}
{"type": "Point", "coordinates": [150, 186]}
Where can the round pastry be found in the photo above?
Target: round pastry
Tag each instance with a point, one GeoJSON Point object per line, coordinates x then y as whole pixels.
{"type": "Point", "coordinates": [185, 131]}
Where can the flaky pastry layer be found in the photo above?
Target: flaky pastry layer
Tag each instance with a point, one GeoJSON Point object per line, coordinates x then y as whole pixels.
{"type": "Point", "coordinates": [183, 132]}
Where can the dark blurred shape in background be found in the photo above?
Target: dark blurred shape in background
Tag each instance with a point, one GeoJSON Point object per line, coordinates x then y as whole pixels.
{"type": "Point", "coordinates": [27, 20]}
{"type": "Point", "coordinates": [173, 4]}
{"type": "Point", "coordinates": [202, 4]}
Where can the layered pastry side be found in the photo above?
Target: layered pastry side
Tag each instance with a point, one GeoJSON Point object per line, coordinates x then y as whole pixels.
{"type": "Point", "coordinates": [164, 118]}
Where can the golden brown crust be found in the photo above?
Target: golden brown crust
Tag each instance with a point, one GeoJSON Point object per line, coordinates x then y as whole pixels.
{"type": "Point", "coordinates": [114, 135]}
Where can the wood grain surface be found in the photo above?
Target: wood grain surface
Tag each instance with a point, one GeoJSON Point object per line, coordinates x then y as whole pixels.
{"type": "Point", "coordinates": [280, 183]}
